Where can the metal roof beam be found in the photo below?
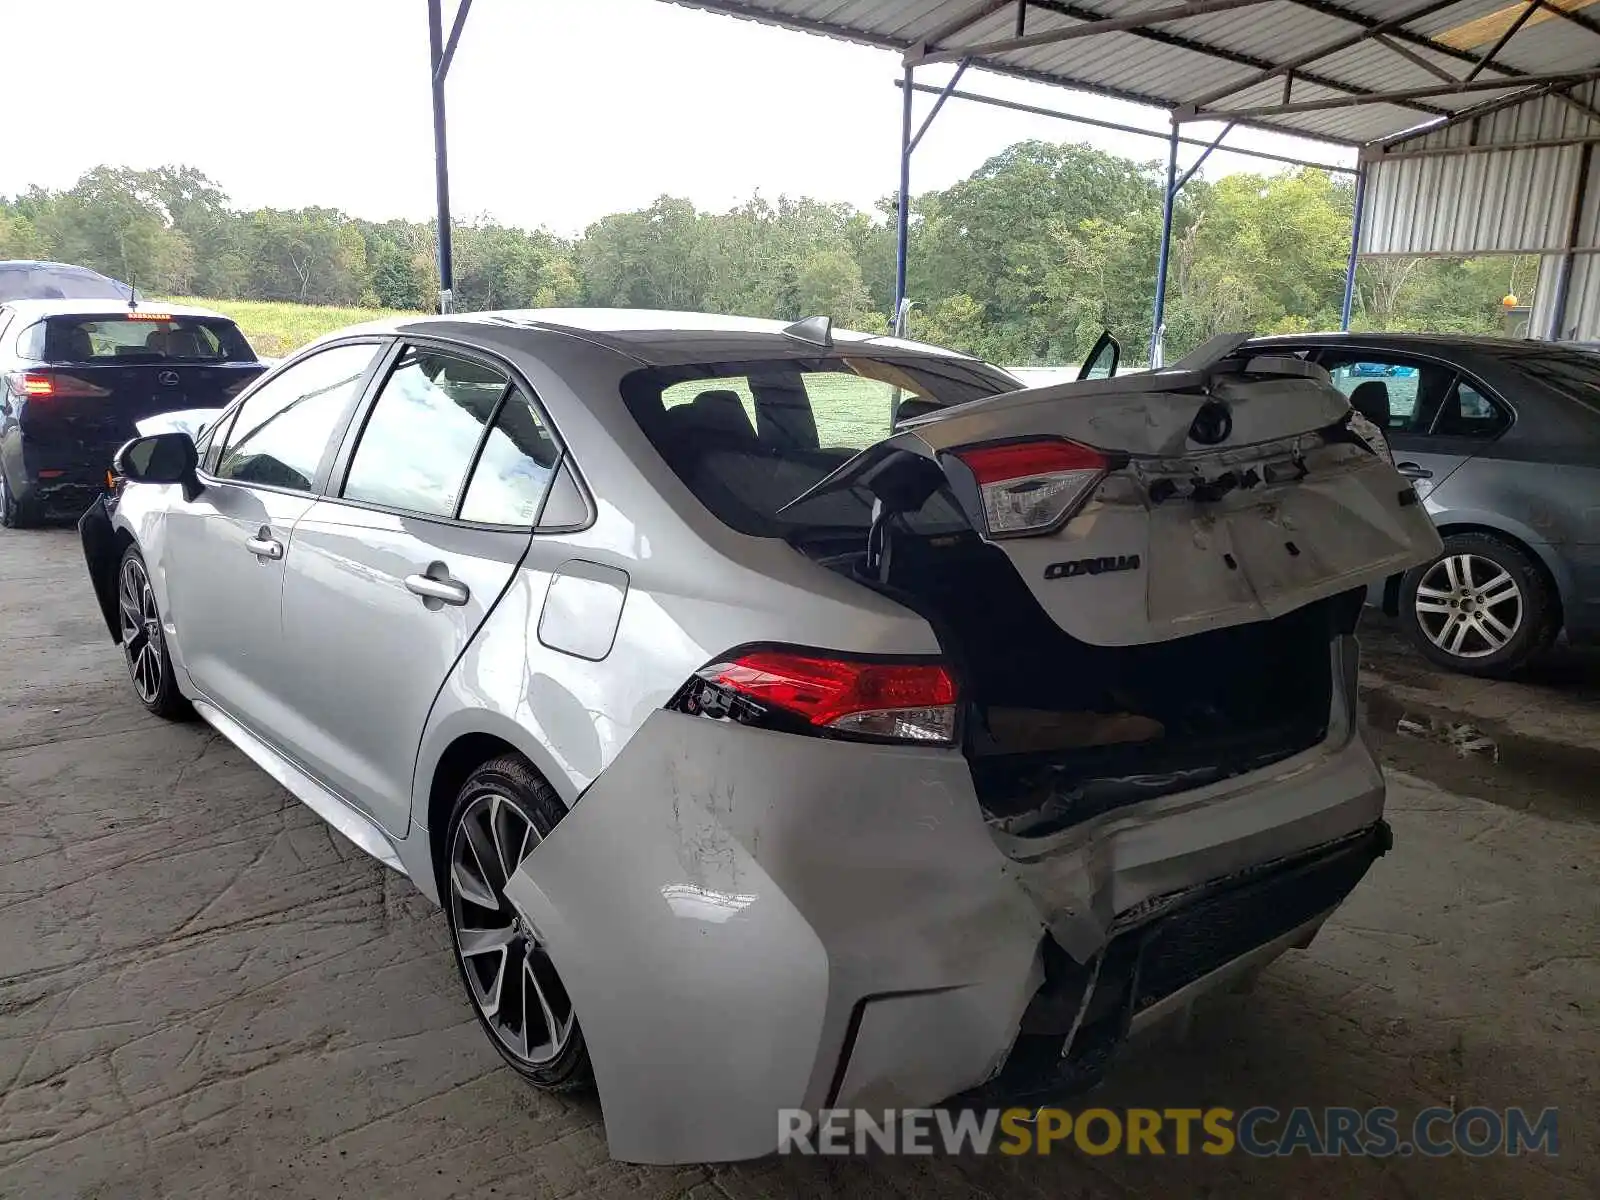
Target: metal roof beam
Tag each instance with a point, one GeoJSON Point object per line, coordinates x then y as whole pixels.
{"type": "Point", "coordinates": [1411, 56]}
{"type": "Point", "coordinates": [1573, 102]}
{"type": "Point", "coordinates": [1421, 41]}
{"type": "Point", "coordinates": [1119, 127]}
{"type": "Point", "coordinates": [442, 67]}
{"type": "Point", "coordinates": [1441, 89]}
{"type": "Point", "coordinates": [1484, 108]}
{"type": "Point", "coordinates": [1376, 31]}
{"type": "Point", "coordinates": [1167, 38]}
{"type": "Point", "coordinates": [971, 17]}
{"type": "Point", "coordinates": [1528, 10]}
{"type": "Point", "coordinates": [1577, 18]}
{"type": "Point", "coordinates": [1092, 28]}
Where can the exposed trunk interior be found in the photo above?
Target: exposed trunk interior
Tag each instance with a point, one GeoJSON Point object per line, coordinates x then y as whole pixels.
{"type": "Point", "coordinates": [1058, 730]}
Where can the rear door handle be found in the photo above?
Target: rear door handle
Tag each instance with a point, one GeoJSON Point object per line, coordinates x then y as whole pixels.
{"type": "Point", "coordinates": [264, 545]}
{"type": "Point", "coordinates": [1413, 470]}
{"type": "Point", "coordinates": [443, 589]}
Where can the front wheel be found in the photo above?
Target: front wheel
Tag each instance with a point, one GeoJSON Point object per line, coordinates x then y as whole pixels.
{"type": "Point", "coordinates": [1483, 607]}
{"type": "Point", "coordinates": [504, 810]}
{"type": "Point", "coordinates": [144, 647]}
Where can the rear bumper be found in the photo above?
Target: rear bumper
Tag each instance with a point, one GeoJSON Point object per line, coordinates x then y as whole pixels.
{"type": "Point", "coordinates": [1166, 957]}
{"type": "Point", "coordinates": [57, 485]}
{"type": "Point", "coordinates": [749, 921]}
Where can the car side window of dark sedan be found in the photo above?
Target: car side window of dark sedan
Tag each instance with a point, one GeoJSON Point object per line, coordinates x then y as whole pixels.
{"type": "Point", "coordinates": [423, 432]}
{"type": "Point", "coordinates": [279, 435]}
{"type": "Point", "coordinates": [1396, 396]}
{"type": "Point", "coordinates": [1467, 412]}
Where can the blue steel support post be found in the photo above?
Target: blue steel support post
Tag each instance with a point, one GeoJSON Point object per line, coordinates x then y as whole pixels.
{"type": "Point", "coordinates": [441, 164]}
{"type": "Point", "coordinates": [1166, 248]}
{"type": "Point", "coordinates": [903, 212]}
{"type": "Point", "coordinates": [1355, 245]}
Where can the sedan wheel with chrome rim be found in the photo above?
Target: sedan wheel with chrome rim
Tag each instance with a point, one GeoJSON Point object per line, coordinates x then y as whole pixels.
{"type": "Point", "coordinates": [1481, 607]}
{"type": "Point", "coordinates": [1468, 605]}
{"type": "Point", "coordinates": [502, 813]}
{"type": "Point", "coordinates": [144, 646]}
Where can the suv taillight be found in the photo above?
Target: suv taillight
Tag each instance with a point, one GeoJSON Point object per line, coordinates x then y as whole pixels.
{"type": "Point", "coordinates": [1030, 487]}
{"type": "Point", "coordinates": [50, 385]}
{"type": "Point", "coordinates": [896, 700]}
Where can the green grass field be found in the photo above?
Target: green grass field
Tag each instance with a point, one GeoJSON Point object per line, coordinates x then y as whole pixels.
{"type": "Point", "coordinates": [276, 329]}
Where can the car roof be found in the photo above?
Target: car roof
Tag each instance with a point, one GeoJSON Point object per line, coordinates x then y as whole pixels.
{"type": "Point", "coordinates": [70, 268]}
{"type": "Point", "coordinates": [657, 336]}
{"type": "Point", "coordinates": [109, 307]}
{"type": "Point", "coordinates": [1423, 343]}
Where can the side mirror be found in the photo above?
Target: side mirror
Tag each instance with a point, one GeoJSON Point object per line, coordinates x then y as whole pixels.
{"type": "Point", "coordinates": [161, 458]}
{"type": "Point", "coordinates": [1103, 359]}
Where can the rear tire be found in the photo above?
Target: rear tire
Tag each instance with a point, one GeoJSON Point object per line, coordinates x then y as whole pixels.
{"type": "Point", "coordinates": [1483, 607]}
{"type": "Point", "coordinates": [144, 645]}
{"type": "Point", "coordinates": [13, 515]}
{"type": "Point", "coordinates": [503, 811]}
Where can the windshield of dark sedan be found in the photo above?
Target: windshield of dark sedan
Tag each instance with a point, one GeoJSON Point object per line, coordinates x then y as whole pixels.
{"type": "Point", "coordinates": [748, 437]}
{"type": "Point", "coordinates": [134, 338]}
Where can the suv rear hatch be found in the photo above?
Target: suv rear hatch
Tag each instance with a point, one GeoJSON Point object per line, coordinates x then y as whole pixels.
{"type": "Point", "coordinates": [87, 380]}
{"type": "Point", "coordinates": [1156, 572]}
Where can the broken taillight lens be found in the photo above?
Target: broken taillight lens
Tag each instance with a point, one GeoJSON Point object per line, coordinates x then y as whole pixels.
{"type": "Point", "coordinates": [901, 701]}
{"type": "Point", "coordinates": [1033, 486]}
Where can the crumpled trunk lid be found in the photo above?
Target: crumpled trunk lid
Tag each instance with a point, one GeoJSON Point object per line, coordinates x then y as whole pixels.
{"type": "Point", "coordinates": [1233, 493]}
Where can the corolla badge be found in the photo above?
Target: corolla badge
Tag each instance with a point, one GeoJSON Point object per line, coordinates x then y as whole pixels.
{"type": "Point", "coordinates": [167, 379]}
{"type": "Point", "coordinates": [1092, 566]}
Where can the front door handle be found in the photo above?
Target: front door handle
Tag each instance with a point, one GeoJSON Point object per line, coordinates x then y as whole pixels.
{"type": "Point", "coordinates": [1413, 470]}
{"type": "Point", "coordinates": [264, 545]}
{"type": "Point", "coordinates": [438, 586]}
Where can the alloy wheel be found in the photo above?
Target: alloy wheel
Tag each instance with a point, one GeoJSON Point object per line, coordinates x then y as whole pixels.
{"type": "Point", "coordinates": [1469, 606]}
{"type": "Point", "coordinates": [508, 970]}
{"type": "Point", "coordinates": [141, 630]}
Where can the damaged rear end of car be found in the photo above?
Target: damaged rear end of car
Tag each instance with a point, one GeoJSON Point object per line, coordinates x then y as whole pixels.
{"type": "Point", "coordinates": [1121, 770]}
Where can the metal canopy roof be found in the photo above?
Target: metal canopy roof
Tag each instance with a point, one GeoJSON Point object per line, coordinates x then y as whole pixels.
{"type": "Point", "coordinates": [1348, 71]}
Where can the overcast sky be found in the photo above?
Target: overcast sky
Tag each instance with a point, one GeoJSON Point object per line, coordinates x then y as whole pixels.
{"type": "Point", "coordinates": [560, 110]}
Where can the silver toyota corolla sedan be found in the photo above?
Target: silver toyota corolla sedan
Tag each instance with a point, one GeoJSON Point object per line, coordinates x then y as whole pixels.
{"type": "Point", "coordinates": [785, 718]}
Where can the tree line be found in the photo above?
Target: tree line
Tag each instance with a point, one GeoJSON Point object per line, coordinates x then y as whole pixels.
{"type": "Point", "coordinates": [1023, 262]}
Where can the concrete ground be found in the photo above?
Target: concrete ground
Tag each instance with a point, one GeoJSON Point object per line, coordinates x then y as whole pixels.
{"type": "Point", "coordinates": [204, 992]}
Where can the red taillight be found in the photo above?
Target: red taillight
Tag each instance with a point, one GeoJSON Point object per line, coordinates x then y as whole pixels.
{"type": "Point", "coordinates": [49, 385]}
{"type": "Point", "coordinates": [1031, 487]}
{"type": "Point", "coordinates": [1020, 460]}
{"type": "Point", "coordinates": [902, 701]}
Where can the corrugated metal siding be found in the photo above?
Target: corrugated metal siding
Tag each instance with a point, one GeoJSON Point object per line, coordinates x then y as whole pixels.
{"type": "Point", "coordinates": [1478, 202]}
{"type": "Point", "coordinates": [1507, 200]}
{"type": "Point", "coordinates": [1581, 321]}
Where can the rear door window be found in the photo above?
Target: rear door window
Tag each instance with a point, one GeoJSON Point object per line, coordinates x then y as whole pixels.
{"type": "Point", "coordinates": [280, 434]}
{"type": "Point", "coordinates": [1467, 412]}
{"type": "Point", "coordinates": [514, 467]}
{"type": "Point", "coordinates": [423, 433]}
{"type": "Point", "coordinates": [1393, 393]}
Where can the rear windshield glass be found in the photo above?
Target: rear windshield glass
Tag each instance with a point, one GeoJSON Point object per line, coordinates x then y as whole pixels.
{"type": "Point", "coordinates": [134, 339]}
{"type": "Point", "coordinates": [748, 437]}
